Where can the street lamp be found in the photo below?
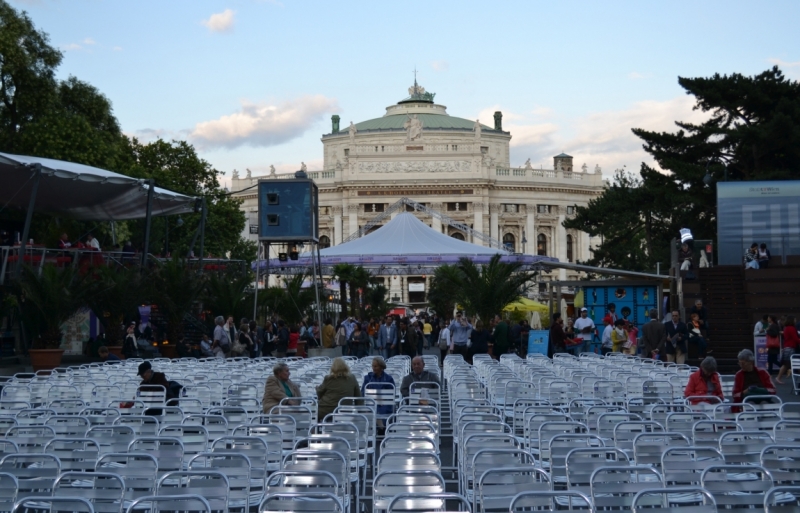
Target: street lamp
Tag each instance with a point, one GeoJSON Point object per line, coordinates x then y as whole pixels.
{"type": "Point", "coordinates": [524, 241]}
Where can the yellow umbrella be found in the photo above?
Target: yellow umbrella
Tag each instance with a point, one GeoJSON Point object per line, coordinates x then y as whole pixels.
{"type": "Point", "coordinates": [524, 304]}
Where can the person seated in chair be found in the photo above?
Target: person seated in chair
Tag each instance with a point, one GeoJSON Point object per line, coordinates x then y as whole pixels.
{"type": "Point", "coordinates": [751, 381]}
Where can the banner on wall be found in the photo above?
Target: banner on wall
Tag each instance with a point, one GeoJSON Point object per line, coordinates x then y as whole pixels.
{"type": "Point", "coordinates": [76, 331]}
{"type": "Point", "coordinates": [144, 316]}
{"type": "Point", "coordinates": [760, 350]}
{"type": "Point", "coordinates": [538, 340]}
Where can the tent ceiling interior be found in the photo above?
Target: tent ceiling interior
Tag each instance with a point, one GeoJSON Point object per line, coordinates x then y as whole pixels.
{"type": "Point", "coordinates": [83, 192]}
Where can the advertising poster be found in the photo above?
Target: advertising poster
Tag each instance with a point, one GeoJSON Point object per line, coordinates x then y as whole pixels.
{"type": "Point", "coordinates": [538, 341]}
{"type": "Point", "coordinates": [76, 331]}
{"type": "Point", "coordinates": [760, 350]}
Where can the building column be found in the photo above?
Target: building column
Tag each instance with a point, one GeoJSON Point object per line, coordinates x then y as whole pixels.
{"type": "Point", "coordinates": [477, 223]}
{"type": "Point", "coordinates": [436, 223]}
{"type": "Point", "coordinates": [352, 219]}
{"type": "Point", "coordinates": [403, 286]}
{"type": "Point", "coordinates": [561, 247]}
{"type": "Point", "coordinates": [494, 220]}
{"type": "Point", "coordinates": [337, 226]}
{"type": "Point", "coordinates": [427, 284]}
{"type": "Point", "coordinates": [530, 231]}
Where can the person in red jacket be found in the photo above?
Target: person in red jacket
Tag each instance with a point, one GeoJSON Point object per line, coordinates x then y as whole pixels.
{"type": "Point", "coordinates": [750, 381]}
{"type": "Point", "coordinates": [790, 343]}
{"type": "Point", "coordinates": [704, 382]}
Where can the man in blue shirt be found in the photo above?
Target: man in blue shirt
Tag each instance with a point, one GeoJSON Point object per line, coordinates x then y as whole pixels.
{"type": "Point", "coordinates": [386, 337]}
{"type": "Point", "coordinates": [460, 330]}
{"type": "Point", "coordinates": [349, 326]}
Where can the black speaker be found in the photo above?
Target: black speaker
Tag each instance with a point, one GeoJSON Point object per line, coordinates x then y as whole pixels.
{"type": "Point", "coordinates": [288, 210]}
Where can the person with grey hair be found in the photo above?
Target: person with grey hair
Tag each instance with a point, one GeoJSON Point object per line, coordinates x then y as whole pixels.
{"type": "Point", "coordinates": [278, 388]}
{"type": "Point", "coordinates": [221, 337]}
{"type": "Point", "coordinates": [653, 334]}
{"type": "Point", "coordinates": [751, 381]}
{"type": "Point", "coordinates": [704, 383]}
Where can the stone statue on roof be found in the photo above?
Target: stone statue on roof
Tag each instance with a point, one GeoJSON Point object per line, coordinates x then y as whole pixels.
{"type": "Point", "coordinates": [597, 169]}
{"type": "Point", "coordinates": [477, 128]}
{"type": "Point", "coordinates": [249, 174]}
{"type": "Point", "coordinates": [584, 167]}
{"type": "Point", "coordinates": [303, 167]}
{"type": "Point", "coordinates": [235, 175]}
{"type": "Point", "coordinates": [413, 127]}
{"type": "Point", "coordinates": [271, 170]}
{"type": "Point", "coordinates": [528, 164]}
{"type": "Point", "coordinates": [352, 131]}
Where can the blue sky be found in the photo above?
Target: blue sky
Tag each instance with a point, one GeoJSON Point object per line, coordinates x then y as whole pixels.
{"type": "Point", "coordinates": [254, 82]}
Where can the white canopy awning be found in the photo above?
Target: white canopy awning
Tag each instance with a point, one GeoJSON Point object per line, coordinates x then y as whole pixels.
{"type": "Point", "coordinates": [84, 192]}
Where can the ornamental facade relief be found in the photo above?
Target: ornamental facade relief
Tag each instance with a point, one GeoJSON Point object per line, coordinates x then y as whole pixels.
{"type": "Point", "coordinates": [427, 166]}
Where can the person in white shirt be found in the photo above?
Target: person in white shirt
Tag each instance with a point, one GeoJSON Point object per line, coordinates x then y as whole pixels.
{"type": "Point", "coordinates": [608, 345]}
{"type": "Point", "coordinates": [761, 326]}
{"type": "Point", "coordinates": [444, 342]}
{"type": "Point", "coordinates": [92, 243]}
{"type": "Point", "coordinates": [585, 329]}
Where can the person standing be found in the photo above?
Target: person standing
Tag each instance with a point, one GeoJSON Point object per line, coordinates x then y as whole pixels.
{"type": "Point", "coordinates": [130, 348]}
{"type": "Point", "coordinates": [358, 342]}
{"type": "Point", "coordinates": [427, 329]}
{"type": "Point", "coordinates": [500, 336]}
{"type": "Point", "coordinates": [282, 340]}
{"type": "Point", "coordinates": [406, 342]}
{"type": "Point", "coordinates": [558, 339]}
{"type": "Point", "coordinates": [791, 341]}
{"type": "Point", "coordinates": [92, 243]}
{"type": "Point", "coordinates": [677, 336]}
{"type": "Point", "coordinates": [386, 338]}
{"type": "Point", "coordinates": [773, 335]}
{"type": "Point", "coordinates": [444, 342]}
{"type": "Point", "coordinates": [328, 334]}
{"type": "Point", "coordinates": [221, 337]}
{"type": "Point", "coordinates": [459, 335]}
{"type": "Point", "coordinates": [294, 338]}
{"type": "Point", "coordinates": [585, 329]}
{"type": "Point", "coordinates": [480, 340]}
{"type": "Point", "coordinates": [652, 336]}
{"type": "Point", "coordinates": [606, 344]}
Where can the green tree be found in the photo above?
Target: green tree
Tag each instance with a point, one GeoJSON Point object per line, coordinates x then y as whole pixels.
{"type": "Point", "coordinates": [358, 284]}
{"type": "Point", "coordinates": [444, 290]}
{"type": "Point", "coordinates": [752, 133]}
{"type": "Point", "coordinates": [229, 293]}
{"type": "Point", "coordinates": [376, 298]}
{"type": "Point", "coordinates": [486, 289]}
{"type": "Point", "coordinates": [114, 295]}
{"type": "Point", "coordinates": [291, 302]}
{"type": "Point", "coordinates": [47, 300]}
{"type": "Point", "coordinates": [175, 289]}
{"type": "Point", "coordinates": [176, 166]}
{"type": "Point", "coordinates": [343, 274]}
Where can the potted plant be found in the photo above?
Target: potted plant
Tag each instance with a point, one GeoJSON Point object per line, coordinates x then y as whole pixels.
{"type": "Point", "coordinates": [47, 300]}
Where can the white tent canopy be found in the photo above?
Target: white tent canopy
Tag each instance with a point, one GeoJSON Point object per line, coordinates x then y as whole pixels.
{"type": "Point", "coordinates": [83, 192]}
{"type": "Point", "coordinates": [407, 235]}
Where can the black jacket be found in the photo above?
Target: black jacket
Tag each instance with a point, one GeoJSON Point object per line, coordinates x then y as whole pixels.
{"type": "Point", "coordinates": [676, 337]}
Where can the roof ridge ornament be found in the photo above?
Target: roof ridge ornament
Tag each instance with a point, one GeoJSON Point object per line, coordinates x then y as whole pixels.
{"type": "Point", "coordinates": [417, 92]}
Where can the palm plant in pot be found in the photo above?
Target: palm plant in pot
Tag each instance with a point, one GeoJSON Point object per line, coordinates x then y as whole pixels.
{"type": "Point", "coordinates": [47, 300]}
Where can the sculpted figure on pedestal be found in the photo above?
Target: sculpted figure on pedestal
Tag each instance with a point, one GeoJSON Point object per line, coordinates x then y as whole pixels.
{"type": "Point", "coordinates": [414, 128]}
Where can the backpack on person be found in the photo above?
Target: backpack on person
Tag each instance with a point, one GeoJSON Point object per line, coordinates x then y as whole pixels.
{"type": "Point", "coordinates": [444, 345]}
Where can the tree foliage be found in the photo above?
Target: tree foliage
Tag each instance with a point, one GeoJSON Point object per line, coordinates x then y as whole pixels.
{"type": "Point", "coordinates": [114, 295]}
{"type": "Point", "coordinates": [291, 301]}
{"type": "Point", "coordinates": [752, 133]}
{"type": "Point", "coordinates": [229, 293]}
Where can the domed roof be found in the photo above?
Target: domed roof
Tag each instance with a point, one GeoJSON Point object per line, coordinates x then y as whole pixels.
{"type": "Point", "coordinates": [420, 103]}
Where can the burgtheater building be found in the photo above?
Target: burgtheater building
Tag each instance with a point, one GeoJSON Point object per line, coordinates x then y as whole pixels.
{"type": "Point", "coordinates": [458, 167]}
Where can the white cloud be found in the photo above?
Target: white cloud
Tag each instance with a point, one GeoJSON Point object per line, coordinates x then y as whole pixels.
{"type": "Point", "coordinates": [791, 69]}
{"type": "Point", "coordinates": [89, 41]}
{"type": "Point", "coordinates": [117, 48]}
{"type": "Point", "coordinates": [603, 138]}
{"type": "Point", "coordinates": [261, 124]}
{"type": "Point", "coordinates": [220, 22]}
{"type": "Point", "coordinates": [440, 65]}
{"type": "Point", "coordinates": [71, 47]}
{"type": "Point", "coordinates": [635, 75]}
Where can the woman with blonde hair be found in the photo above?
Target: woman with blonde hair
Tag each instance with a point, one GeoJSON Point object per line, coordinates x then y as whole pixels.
{"type": "Point", "coordinates": [337, 384]}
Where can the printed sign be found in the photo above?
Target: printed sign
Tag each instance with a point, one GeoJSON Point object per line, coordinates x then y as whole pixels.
{"type": "Point", "coordinates": [760, 350]}
{"type": "Point", "coordinates": [538, 341]}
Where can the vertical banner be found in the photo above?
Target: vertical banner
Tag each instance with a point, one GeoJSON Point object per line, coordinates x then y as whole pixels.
{"type": "Point", "coordinates": [76, 330]}
{"type": "Point", "coordinates": [760, 350]}
{"type": "Point", "coordinates": [538, 341]}
{"type": "Point", "coordinates": [144, 315]}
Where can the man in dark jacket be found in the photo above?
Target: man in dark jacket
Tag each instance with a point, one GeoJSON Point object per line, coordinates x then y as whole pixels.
{"type": "Point", "coordinates": [281, 340]}
{"type": "Point", "coordinates": [677, 336]}
{"type": "Point", "coordinates": [558, 339]}
{"type": "Point", "coordinates": [653, 337]}
{"type": "Point", "coordinates": [500, 337]}
{"type": "Point", "coordinates": [406, 339]}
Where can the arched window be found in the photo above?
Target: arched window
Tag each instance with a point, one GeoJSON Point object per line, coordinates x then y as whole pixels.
{"type": "Point", "coordinates": [324, 242]}
{"type": "Point", "coordinates": [509, 243]}
{"type": "Point", "coordinates": [541, 244]}
{"type": "Point", "coordinates": [458, 235]}
{"type": "Point", "coordinates": [569, 248]}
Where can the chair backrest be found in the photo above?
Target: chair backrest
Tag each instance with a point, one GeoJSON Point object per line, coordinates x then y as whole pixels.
{"type": "Point", "coordinates": [35, 473]}
{"type": "Point", "coordinates": [390, 483]}
{"type": "Point", "coordinates": [170, 503]}
{"type": "Point", "coordinates": [318, 502]}
{"type": "Point", "coordinates": [104, 490]}
{"type": "Point", "coordinates": [236, 468]}
{"type": "Point", "coordinates": [613, 488]}
{"type": "Point", "coordinates": [648, 447]}
{"type": "Point", "coordinates": [75, 454]}
{"type": "Point", "coordinates": [8, 491]}
{"type": "Point", "coordinates": [549, 501]}
{"type": "Point", "coordinates": [53, 504]}
{"type": "Point", "coordinates": [428, 502]}
{"type": "Point", "coordinates": [496, 487]}
{"type": "Point", "coordinates": [684, 466]}
{"type": "Point", "coordinates": [782, 499]}
{"type": "Point", "coordinates": [666, 499]}
{"type": "Point", "coordinates": [210, 484]}
{"type": "Point", "coordinates": [733, 488]}
{"type": "Point", "coordinates": [783, 463]}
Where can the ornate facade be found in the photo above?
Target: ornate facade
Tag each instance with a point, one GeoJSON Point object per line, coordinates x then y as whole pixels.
{"type": "Point", "coordinates": [453, 165]}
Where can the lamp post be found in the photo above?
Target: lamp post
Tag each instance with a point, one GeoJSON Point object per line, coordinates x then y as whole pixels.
{"type": "Point", "coordinates": [524, 241]}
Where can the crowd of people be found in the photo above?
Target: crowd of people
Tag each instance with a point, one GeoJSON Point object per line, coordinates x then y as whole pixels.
{"type": "Point", "coordinates": [669, 340]}
{"type": "Point", "coordinates": [782, 342]}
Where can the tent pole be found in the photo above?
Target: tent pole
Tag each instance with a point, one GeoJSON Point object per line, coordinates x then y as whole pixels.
{"type": "Point", "coordinates": [202, 232]}
{"type": "Point", "coordinates": [317, 285]}
{"type": "Point", "coordinates": [37, 174]}
{"type": "Point", "coordinates": [148, 218]}
{"type": "Point", "coordinates": [258, 271]}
